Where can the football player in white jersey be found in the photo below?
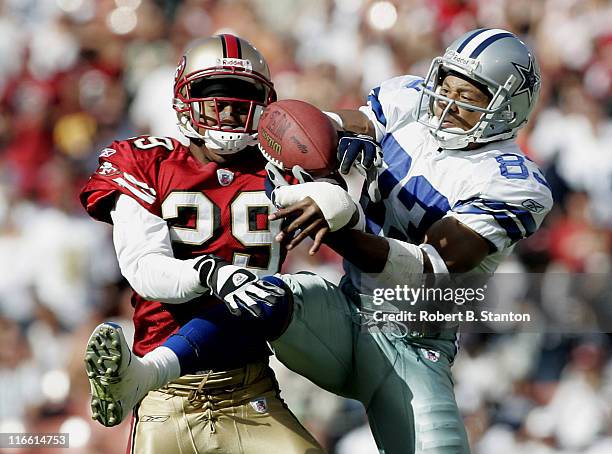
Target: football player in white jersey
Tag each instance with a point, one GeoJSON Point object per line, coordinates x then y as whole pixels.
{"type": "Point", "coordinates": [454, 193]}
{"type": "Point", "coordinates": [448, 191]}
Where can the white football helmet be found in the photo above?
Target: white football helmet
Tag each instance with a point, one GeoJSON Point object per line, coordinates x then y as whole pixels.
{"type": "Point", "coordinates": [222, 68]}
{"type": "Point", "coordinates": [499, 62]}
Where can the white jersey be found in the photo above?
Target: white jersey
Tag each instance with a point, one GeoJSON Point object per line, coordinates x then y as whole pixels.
{"type": "Point", "coordinates": [495, 190]}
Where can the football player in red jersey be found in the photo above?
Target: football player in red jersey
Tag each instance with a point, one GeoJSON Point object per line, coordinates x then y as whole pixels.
{"type": "Point", "coordinates": [185, 219]}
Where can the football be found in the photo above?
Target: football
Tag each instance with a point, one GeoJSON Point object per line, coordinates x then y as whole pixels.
{"type": "Point", "coordinates": [293, 132]}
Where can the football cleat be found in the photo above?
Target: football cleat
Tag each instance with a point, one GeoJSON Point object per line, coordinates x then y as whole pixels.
{"type": "Point", "coordinates": [115, 375]}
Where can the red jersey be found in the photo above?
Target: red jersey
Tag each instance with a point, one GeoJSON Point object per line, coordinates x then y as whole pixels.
{"type": "Point", "coordinates": [209, 209]}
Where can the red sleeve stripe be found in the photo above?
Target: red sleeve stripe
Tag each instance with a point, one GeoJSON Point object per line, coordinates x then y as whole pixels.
{"type": "Point", "coordinates": [231, 46]}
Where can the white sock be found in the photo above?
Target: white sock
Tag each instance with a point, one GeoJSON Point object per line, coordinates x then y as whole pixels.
{"type": "Point", "coordinates": [165, 363]}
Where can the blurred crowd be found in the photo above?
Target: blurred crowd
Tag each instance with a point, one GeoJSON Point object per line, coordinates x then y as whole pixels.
{"type": "Point", "coordinates": [76, 74]}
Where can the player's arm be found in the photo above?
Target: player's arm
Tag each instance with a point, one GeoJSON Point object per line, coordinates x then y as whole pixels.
{"type": "Point", "coordinates": [353, 121]}
{"type": "Point", "coordinates": [144, 252]}
{"type": "Point", "coordinates": [456, 248]}
{"type": "Point", "coordinates": [122, 192]}
{"type": "Point", "coordinates": [357, 144]}
{"type": "Point", "coordinates": [389, 106]}
{"type": "Point", "coordinates": [460, 247]}
{"type": "Point", "coordinates": [460, 241]}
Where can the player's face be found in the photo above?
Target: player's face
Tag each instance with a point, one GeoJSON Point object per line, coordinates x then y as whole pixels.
{"type": "Point", "coordinates": [461, 90]}
{"type": "Point", "coordinates": [231, 114]}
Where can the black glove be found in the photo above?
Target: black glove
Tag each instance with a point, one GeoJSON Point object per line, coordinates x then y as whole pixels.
{"type": "Point", "coordinates": [237, 287]}
{"type": "Point", "coordinates": [360, 148]}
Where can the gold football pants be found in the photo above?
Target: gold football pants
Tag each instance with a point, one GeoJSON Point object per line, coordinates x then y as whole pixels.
{"type": "Point", "coordinates": [237, 411]}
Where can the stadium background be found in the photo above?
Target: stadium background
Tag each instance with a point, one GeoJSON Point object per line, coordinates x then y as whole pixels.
{"type": "Point", "coordinates": [75, 74]}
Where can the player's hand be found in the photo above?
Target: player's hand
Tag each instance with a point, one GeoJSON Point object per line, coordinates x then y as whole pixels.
{"type": "Point", "coordinates": [308, 219]}
{"type": "Point", "coordinates": [361, 150]}
{"type": "Point", "coordinates": [237, 287]}
{"type": "Point", "coordinates": [314, 208]}
{"type": "Point", "coordinates": [334, 203]}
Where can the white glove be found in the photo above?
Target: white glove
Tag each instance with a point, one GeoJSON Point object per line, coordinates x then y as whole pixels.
{"type": "Point", "coordinates": [334, 202]}
{"type": "Point", "coordinates": [237, 287]}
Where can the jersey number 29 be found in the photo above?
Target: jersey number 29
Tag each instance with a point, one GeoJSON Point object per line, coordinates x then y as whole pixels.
{"type": "Point", "coordinates": [243, 210]}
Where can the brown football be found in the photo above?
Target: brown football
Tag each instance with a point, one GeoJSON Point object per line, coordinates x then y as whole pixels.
{"type": "Point", "coordinates": [293, 132]}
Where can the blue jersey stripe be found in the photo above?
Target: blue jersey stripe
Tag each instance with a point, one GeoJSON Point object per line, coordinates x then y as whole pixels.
{"type": "Point", "coordinates": [386, 182]}
{"type": "Point", "coordinates": [396, 157]}
{"type": "Point", "coordinates": [372, 227]}
{"type": "Point", "coordinates": [494, 208]}
{"type": "Point", "coordinates": [432, 206]}
{"type": "Point", "coordinates": [470, 38]}
{"type": "Point", "coordinates": [415, 84]}
{"type": "Point", "coordinates": [377, 107]}
{"type": "Point", "coordinates": [490, 40]}
{"type": "Point", "coordinates": [540, 179]}
{"type": "Point", "coordinates": [526, 218]}
{"type": "Point", "coordinates": [503, 219]}
{"type": "Point", "coordinates": [398, 162]}
{"type": "Point", "coordinates": [418, 187]}
{"type": "Point", "coordinates": [374, 212]}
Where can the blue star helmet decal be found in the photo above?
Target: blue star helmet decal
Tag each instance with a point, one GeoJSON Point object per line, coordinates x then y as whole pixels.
{"type": "Point", "coordinates": [530, 79]}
